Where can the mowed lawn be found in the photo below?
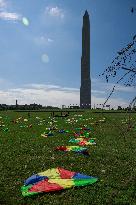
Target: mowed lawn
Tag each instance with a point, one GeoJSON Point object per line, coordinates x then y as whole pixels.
{"type": "Point", "coordinates": [23, 152]}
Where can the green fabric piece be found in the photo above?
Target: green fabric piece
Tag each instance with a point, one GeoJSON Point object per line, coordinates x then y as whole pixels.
{"type": "Point", "coordinates": [86, 134]}
{"type": "Point", "coordinates": [91, 141]}
{"type": "Point", "coordinates": [5, 129]}
{"type": "Point", "coordinates": [74, 140]}
{"type": "Point", "coordinates": [83, 182]}
{"type": "Point", "coordinates": [78, 148]}
{"type": "Point", "coordinates": [25, 191]}
{"type": "Point", "coordinates": [78, 128]}
{"type": "Point", "coordinates": [23, 126]}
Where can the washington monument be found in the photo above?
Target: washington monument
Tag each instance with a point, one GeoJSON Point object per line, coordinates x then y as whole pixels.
{"type": "Point", "coordinates": [85, 89]}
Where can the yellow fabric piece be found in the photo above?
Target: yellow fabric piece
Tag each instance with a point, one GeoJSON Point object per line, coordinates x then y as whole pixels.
{"type": "Point", "coordinates": [68, 148]}
{"type": "Point", "coordinates": [66, 183]}
{"type": "Point", "coordinates": [74, 147]}
{"type": "Point", "coordinates": [50, 173]}
{"type": "Point", "coordinates": [79, 138]}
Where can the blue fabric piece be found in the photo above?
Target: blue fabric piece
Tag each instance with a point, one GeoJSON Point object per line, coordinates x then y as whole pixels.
{"type": "Point", "coordinates": [61, 131]}
{"type": "Point", "coordinates": [50, 134]}
{"type": "Point", "coordinates": [81, 176]}
{"type": "Point", "coordinates": [34, 179]}
{"type": "Point", "coordinates": [85, 149]}
{"type": "Point", "coordinates": [86, 154]}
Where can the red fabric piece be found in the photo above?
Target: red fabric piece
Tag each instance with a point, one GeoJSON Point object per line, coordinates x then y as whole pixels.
{"type": "Point", "coordinates": [76, 135]}
{"type": "Point", "coordinates": [65, 174]}
{"type": "Point", "coordinates": [61, 148]}
{"type": "Point", "coordinates": [82, 143]}
{"type": "Point", "coordinates": [81, 132]}
{"type": "Point", "coordinates": [45, 186]}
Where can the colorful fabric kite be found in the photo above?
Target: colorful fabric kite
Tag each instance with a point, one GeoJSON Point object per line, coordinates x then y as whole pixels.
{"type": "Point", "coordinates": [83, 141]}
{"type": "Point", "coordinates": [76, 149]}
{"type": "Point", "coordinates": [54, 180]}
{"type": "Point", "coordinates": [84, 134]}
{"type": "Point", "coordinates": [83, 128]}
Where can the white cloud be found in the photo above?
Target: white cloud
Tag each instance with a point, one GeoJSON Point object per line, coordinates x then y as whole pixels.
{"type": "Point", "coordinates": [42, 40]}
{"type": "Point", "coordinates": [109, 86]}
{"type": "Point", "coordinates": [98, 92]}
{"type": "Point", "coordinates": [125, 89]}
{"type": "Point", "coordinates": [5, 14]}
{"type": "Point", "coordinates": [9, 16]}
{"type": "Point", "coordinates": [53, 95]}
{"type": "Point", "coordinates": [50, 87]}
{"type": "Point", "coordinates": [42, 96]}
{"type": "Point", "coordinates": [55, 11]}
{"type": "Point", "coordinates": [3, 4]}
{"type": "Point", "coordinates": [50, 40]}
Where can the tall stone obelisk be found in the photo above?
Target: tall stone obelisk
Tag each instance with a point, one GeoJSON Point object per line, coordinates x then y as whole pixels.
{"type": "Point", "coordinates": [85, 89]}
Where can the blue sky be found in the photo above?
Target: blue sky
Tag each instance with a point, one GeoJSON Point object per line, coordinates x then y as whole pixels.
{"type": "Point", "coordinates": [41, 49]}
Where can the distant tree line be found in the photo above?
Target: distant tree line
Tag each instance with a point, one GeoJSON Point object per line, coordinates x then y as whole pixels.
{"type": "Point", "coordinates": [25, 107]}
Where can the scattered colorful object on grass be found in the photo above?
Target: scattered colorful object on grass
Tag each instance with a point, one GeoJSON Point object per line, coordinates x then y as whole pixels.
{"type": "Point", "coordinates": [78, 128]}
{"type": "Point", "coordinates": [84, 134]}
{"type": "Point", "coordinates": [67, 131]}
{"type": "Point", "coordinates": [2, 124]}
{"type": "Point", "coordinates": [5, 129]}
{"type": "Point", "coordinates": [76, 149]}
{"type": "Point", "coordinates": [48, 128]}
{"type": "Point", "coordinates": [23, 126]}
{"type": "Point", "coordinates": [54, 180]}
{"type": "Point", "coordinates": [47, 134]}
{"type": "Point", "coordinates": [61, 131]}
{"type": "Point", "coordinates": [83, 141]}
{"type": "Point", "coordinates": [76, 134]}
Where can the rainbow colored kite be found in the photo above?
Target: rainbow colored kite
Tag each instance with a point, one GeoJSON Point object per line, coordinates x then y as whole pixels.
{"type": "Point", "coordinates": [76, 149]}
{"type": "Point", "coordinates": [83, 128]}
{"type": "Point", "coordinates": [83, 141]}
{"type": "Point", "coordinates": [84, 134]}
{"type": "Point", "coordinates": [54, 180]}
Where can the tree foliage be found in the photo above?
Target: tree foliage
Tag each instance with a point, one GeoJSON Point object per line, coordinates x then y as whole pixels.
{"type": "Point", "coordinates": [123, 65]}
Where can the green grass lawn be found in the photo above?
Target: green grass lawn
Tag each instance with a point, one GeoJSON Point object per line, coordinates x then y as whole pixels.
{"type": "Point", "coordinates": [24, 152]}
